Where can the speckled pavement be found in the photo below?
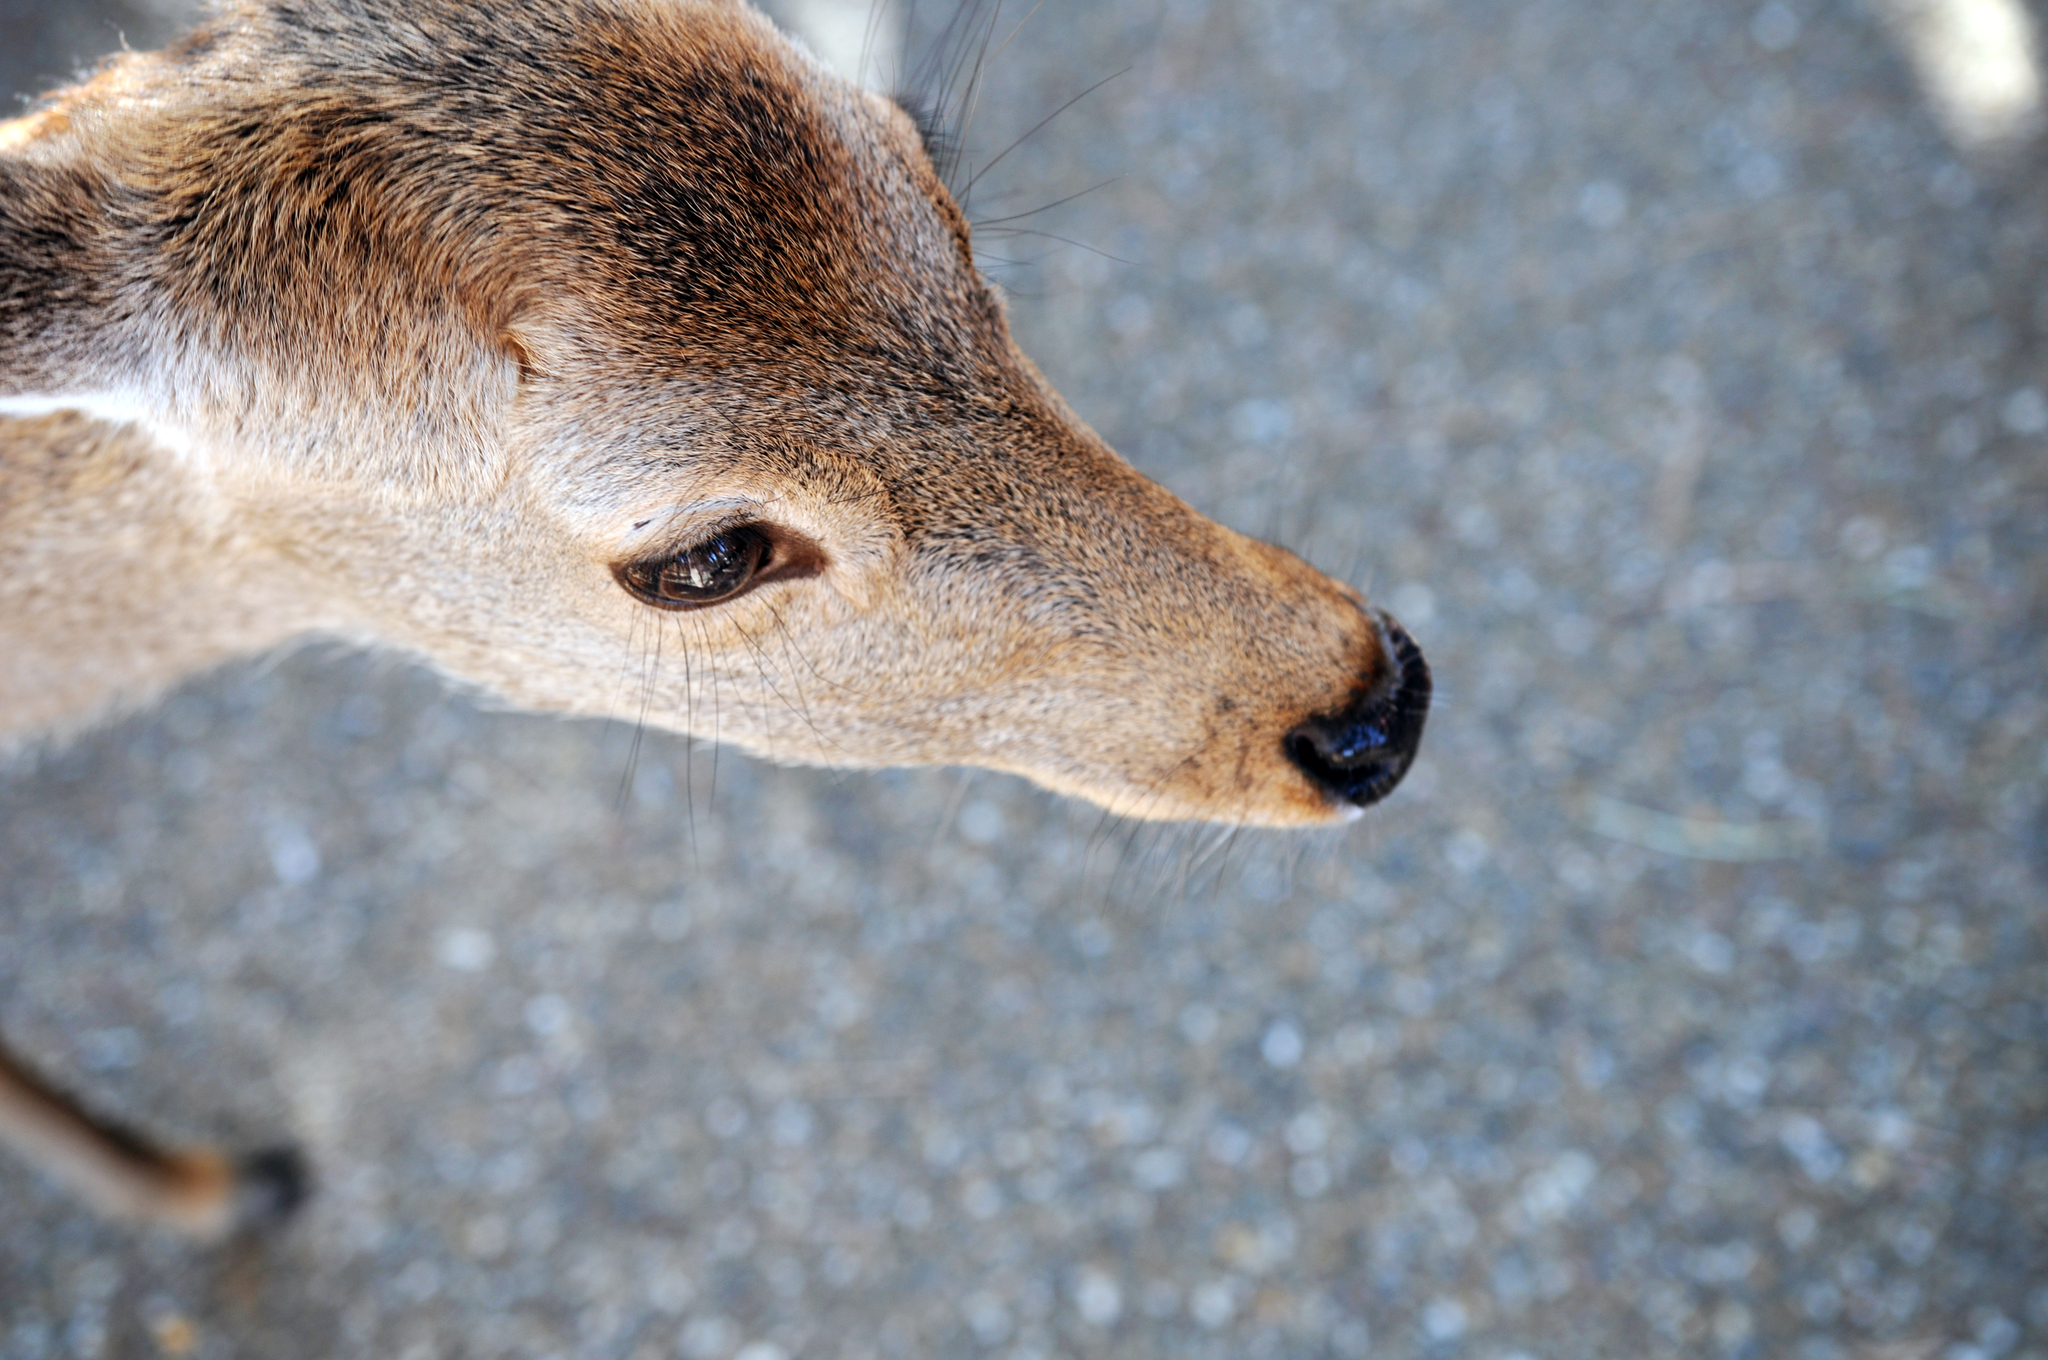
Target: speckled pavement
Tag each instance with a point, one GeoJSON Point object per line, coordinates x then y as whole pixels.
{"type": "Point", "coordinates": [1682, 387]}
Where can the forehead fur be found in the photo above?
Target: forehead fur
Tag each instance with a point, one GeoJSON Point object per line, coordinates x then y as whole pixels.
{"type": "Point", "coordinates": [717, 198]}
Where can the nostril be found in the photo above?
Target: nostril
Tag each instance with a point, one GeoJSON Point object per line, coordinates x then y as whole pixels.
{"type": "Point", "coordinates": [1358, 754]}
{"type": "Point", "coordinates": [1347, 743]}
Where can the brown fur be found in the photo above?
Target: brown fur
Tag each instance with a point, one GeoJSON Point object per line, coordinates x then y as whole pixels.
{"type": "Point", "coordinates": [433, 313]}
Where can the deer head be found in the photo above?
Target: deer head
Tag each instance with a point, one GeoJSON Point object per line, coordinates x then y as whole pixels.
{"type": "Point", "coordinates": [615, 353]}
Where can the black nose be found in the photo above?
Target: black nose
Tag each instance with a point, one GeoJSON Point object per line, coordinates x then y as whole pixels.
{"type": "Point", "coordinates": [1358, 755]}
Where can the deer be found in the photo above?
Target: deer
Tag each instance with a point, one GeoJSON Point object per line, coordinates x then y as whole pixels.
{"type": "Point", "coordinates": [522, 336]}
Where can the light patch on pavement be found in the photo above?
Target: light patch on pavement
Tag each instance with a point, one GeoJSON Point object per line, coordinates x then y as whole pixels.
{"type": "Point", "coordinates": [860, 39]}
{"type": "Point", "coordinates": [1978, 63]}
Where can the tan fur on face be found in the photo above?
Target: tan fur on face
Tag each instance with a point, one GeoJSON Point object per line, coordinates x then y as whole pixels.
{"type": "Point", "coordinates": [437, 311]}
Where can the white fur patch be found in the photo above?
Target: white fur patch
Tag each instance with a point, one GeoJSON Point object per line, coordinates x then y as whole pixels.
{"type": "Point", "coordinates": [116, 408]}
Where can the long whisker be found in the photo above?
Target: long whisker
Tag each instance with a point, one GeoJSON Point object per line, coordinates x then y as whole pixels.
{"type": "Point", "coordinates": [1058, 202]}
{"type": "Point", "coordinates": [717, 708]}
{"type": "Point", "coordinates": [828, 681]}
{"type": "Point", "coordinates": [975, 83]}
{"type": "Point", "coordinates": [1220, 837]}
{"type": "Point", "coordinates": [937, 76]}
{"type": "Point", "coordinates": [1135, 819]}
{"type": "Point", "coordinates": [1004, 46]}
{"type": "Point", "coordinates": [689, 745]}
{"type": "Point", "coordinates": [976, 177]}
{"type": "Point", "coordinates": [953, 802]}
{"type": "Point", "coordinates": [796, 679]}
{"type": "Point", "coordinates": [868, 31]}
{"type": "Point", "coordinates": [761, 665]}
{"type": "Point", "coordinates": [649, 671]}
{"type": "Point", "coordinates": [625, 665]}
{"type": "Point", "coordinates": [1055, 236]}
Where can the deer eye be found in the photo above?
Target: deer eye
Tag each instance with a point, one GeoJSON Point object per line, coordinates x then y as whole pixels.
{"type": "Point", "coordinates": [717, 569]}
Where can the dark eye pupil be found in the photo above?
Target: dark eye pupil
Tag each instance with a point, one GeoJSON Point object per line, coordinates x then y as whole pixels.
{"type": "Point", "coordinates": [721, 565]}
{"type": "Point", "coordinates": [713, 568]}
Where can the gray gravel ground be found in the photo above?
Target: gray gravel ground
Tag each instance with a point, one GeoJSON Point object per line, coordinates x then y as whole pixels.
{"type": "Point", "coordinates": [1683, 389]}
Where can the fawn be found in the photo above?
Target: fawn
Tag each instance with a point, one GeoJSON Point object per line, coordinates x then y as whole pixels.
{"type": "Point", "coordinates": [520, 336]}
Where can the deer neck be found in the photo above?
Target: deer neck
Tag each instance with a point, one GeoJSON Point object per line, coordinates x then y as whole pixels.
{"type": "Point", "coordinates": [122, 570]}
{"type": "Point", "coordinates": [127, 556]}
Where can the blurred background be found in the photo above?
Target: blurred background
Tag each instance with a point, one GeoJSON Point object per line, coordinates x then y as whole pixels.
{"type": "Point", "coordinates": [1676, 371]}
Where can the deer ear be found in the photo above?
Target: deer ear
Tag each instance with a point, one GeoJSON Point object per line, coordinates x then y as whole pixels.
{"type": "Point", "coordinates": [59, 312]}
